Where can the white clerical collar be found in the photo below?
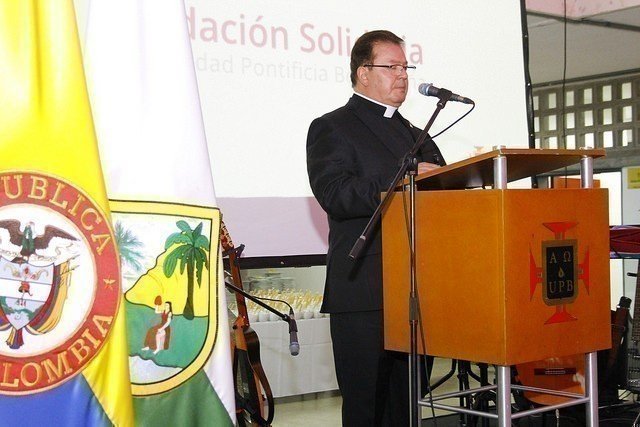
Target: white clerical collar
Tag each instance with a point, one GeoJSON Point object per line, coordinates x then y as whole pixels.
{"type": "Point", "coordinates": [388, 113]}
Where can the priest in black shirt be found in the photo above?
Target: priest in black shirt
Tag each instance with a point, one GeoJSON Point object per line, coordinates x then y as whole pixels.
{"type": "Point", "coordinates": [352, 155]}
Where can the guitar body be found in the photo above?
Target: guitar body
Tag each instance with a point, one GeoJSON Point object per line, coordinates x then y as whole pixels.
{"type": "Point", "coordinates": [250, 380]}
{"type": "Point", "coordinates": [567, 373]}
{"type": "Point", "coordinates": [557, 373]}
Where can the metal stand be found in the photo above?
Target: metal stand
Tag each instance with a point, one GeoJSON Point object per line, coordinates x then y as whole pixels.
{"type": "Point", "coordinates": [415, 416]}
{"type": "Point", "coordinates": [503, 389]}
{"type": "Point", "coordinates": [464, 374]}
{"type": "Point", "coordinates": [414, 360]}
{"type": "Point", "coordinates": [591, 365]}
{"type": "Point", "coordinates": [503, 373]}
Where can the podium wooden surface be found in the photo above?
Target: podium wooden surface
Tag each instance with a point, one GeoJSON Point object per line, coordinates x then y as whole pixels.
{"type": "Point", "coordinates": [522, 163]}
{"type": "Point", "coordinates": [479, 263]}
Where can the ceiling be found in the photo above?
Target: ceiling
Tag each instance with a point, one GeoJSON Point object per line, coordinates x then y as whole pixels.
{"type": "Point", "coordinates": [601, 43]}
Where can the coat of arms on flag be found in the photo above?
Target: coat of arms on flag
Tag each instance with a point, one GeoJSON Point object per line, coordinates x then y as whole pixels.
{"type": "Point", "coordinates": [59, 281]}
{"type": "Point", "coordinates": [170, 287]}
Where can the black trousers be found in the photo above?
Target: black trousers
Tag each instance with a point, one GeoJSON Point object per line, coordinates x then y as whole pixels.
{"type": "Point", "coordinates": [374, 383]}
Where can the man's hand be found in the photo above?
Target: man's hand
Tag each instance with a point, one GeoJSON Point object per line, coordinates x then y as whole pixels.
{"type": "Point", "coordinates": [426, 167]}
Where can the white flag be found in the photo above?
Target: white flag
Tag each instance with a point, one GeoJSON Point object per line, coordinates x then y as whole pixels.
{"type": "Point", "coordinates": [144, 96]}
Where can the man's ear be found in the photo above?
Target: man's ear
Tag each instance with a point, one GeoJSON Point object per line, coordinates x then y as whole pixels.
{"type": "Point", "coordinates": [363, 75]}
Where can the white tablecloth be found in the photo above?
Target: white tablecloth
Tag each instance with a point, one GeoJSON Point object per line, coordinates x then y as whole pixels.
{"type": "Point", "coordinates": [310, 371]}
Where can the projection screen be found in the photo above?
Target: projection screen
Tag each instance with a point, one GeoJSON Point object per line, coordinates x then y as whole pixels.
{"type": "Point", "coordinates": [267, 68]}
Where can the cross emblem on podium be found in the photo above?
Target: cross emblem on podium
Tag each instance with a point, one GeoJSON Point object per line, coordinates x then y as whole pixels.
{"type": "Point", "coordinates": [559, 271]}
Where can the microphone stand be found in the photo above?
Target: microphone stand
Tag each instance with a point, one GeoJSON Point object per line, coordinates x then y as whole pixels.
{"type": "Point", "coordinates": [409, 166]}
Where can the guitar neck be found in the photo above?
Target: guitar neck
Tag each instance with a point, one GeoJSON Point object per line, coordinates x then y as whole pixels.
{"type": "Point", "coordinates": [237, 280]}
{"type": "Point", "coordinates": [234, 266]}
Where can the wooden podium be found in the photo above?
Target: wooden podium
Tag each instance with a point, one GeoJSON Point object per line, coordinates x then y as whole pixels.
{"type": "Point", "coordinates": [504, 276]}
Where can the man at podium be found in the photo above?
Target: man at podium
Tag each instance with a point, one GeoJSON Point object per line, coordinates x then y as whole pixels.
{"type": "Point", "coordinates": [352, 155]}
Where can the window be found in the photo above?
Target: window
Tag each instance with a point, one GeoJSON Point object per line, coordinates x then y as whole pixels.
{"type": "Point", "coordinates": [597, 114]}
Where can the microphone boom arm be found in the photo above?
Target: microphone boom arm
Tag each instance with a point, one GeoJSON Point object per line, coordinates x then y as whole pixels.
{"type": "Point", "coordinates": [234, 288]}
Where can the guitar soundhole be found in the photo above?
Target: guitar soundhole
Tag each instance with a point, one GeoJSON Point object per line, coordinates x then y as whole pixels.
{"type": "Point", "coordinates": [554, 371]}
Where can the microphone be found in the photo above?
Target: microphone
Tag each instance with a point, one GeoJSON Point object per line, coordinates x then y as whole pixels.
{"type": "Point", "coordinates": [428, 89]}
{"type": "Point", "coordinates": [294, 346]}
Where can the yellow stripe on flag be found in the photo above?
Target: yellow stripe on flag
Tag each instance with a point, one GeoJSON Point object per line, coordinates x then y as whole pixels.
{"type": "Point", "coordinates": [45, 118]}
{"type": "Point", "coordinates": [46, 126]}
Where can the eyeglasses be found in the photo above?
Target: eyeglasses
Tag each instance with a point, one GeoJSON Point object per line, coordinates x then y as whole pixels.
{"type": "Point", "coordinates": [396, 68]}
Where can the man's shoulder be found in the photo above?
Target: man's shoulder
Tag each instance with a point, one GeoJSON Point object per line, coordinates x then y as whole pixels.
{"type": "Point", "coordinates": [338, 119]}
{"type": "Point", "coordinates": [337, 115]}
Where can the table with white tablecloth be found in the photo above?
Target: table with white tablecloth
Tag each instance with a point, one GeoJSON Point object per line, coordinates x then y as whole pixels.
{"type": "Point", "coordinates": [310, 371]}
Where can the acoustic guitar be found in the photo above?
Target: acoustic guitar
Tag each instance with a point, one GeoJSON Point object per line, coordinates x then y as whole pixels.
{"type": "Point", "coordinates": [567, 373]}
{"type": "Point", "coordinates": [254, 399]}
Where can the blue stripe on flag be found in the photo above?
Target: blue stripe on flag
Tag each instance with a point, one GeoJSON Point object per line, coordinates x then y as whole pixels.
{"type": "Point", "coordinates": [70, 404]}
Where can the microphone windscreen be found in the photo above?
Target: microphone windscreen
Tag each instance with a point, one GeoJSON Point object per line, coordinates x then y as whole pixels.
{"type": "Point", "coordinates": [294, 348]}
{"type": "Point", "coordinates": [424, 88]}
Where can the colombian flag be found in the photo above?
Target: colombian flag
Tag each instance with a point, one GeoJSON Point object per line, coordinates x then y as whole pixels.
{"type": "Point", "coordinates": [62, 329]}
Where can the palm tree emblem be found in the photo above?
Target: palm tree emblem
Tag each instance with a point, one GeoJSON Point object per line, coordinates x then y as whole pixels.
{"type": "Point", "coordinates": [191, 252]}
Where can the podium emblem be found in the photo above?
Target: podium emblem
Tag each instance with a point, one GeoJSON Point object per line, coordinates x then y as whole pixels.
{"type": "Point", "coordinates": [560, 271]}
